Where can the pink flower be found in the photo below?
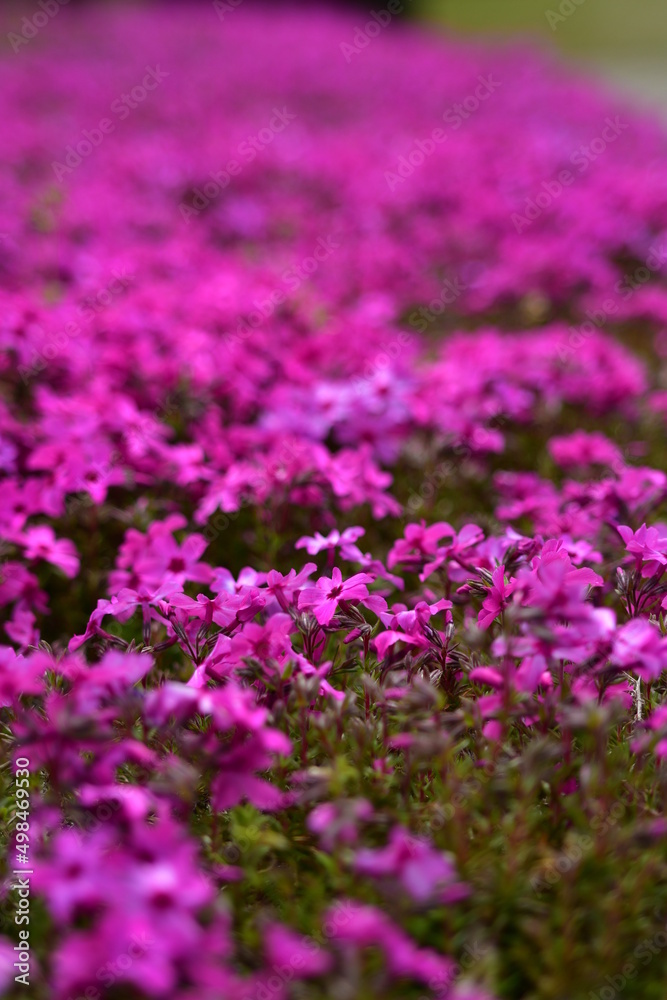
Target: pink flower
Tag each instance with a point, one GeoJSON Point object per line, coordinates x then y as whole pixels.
{"type": "Point", "coordinates": [333, 540]}
{"type": "Point", "coordinates": [640, 647]}
{"type": "Point", "coordinates": [324, 599]}
{"type": "Point", "coordinates": [419, 541]}
{"type": "Point", "coordinates": [498, 598]}
{"type": "Point", "coordinates": [360, 926]}
{"type": "Point", "coordinates": [583, 449]}
{"type": "Point", "coordinates": [40, 543]}
{"type": "Point", "coordinates": [339, 822]}
{"type": "Point", "coordinates": [21, 628]}
{"type": "Point", "coordinates": [285, 587]}
{"type": "Point", "coordinates": [284, 947]}
{"type": "Point", "coordinates": [19, 675]}
{"type": "Point", "coordinates": [157, 560]}
{"type": "Point", "coordinates": [122, 607]}
{"type": "Point", "coordinates": [424, 873]}
{"type": "Point", "coordinates": [325, 688]}
{"type": "Point", "coordinates": [165, 559]}
{"type": "Point", "coordinates": [385, 640]}
{"type": "Point", "coordinates": [648, 546]}
{"type": "Point", "coordinates": [7, 959]}
{"type": "Point", "coordinates": [223, 609]}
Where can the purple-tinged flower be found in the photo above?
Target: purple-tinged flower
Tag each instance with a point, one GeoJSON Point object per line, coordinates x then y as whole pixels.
{"type": "Point", "coordinates": [41, 543]}
{"type": "Point", "coordinates": [639, 646]}
{"type": "Point", "coordinates": [648, 546]}
{"type": "Point", "coordinates": [323, 599]}
{"type": "Point", "coordinates": [335, 539]}
{"type": "Point", "coordinates": [19, 675]}
{"type": "Point", "coordinates": [304, 955]}
{"type": "Point", "coordinates": [284, 588]}
{"type": "Point", "coordinates": [424, 873]}
{"type": "Point", "coordinates": [582, 449]}
{"type": "Point", "coordinates": [357, 925]}
{"type": "Point", "coordinates": [339, 822]}
{"type": "Point", "coordinates": [419, 542]}
{"type": "Point", "coordinates": [498, 598]}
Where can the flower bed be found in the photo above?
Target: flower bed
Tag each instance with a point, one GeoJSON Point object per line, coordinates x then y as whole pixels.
{"type": "Point", "coordinates": [332, 425]}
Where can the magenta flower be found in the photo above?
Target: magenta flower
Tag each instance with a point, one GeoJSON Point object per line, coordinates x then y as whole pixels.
{"type": "Point", "coordinates": [21, 628]}
{"type": "Point", "coordinates": [339, 822]}
{"type": "Point", "coordinates": [334, 539]}
{"type": "Point", "coordinates": [639, 646]}
{"type": "Point", "coordinates": [424, 873]}
{"type": "Point", "coordinates": [7, 959]}
{"type": "Point", "coordinates": [223, 609]}
{"type": "Point", "coordinates": [122, 607]}
{"type": "Point", "coordinates": [41, 543]}
{"type": "Point", "coordinates": [385, 640]}
{"type": "Point", "coordinates": [360, 926]}
{"type": "Point", "coordinates": [419, 541]}
{"type": "Point", "coordinates": [285, 587]}
{"type": "Point", "coordinates": [581, 449]}
{"type": "Point", "coordinates": [169, 561]}
{"type": "Point", "coordinates": [284, 947]}
{"type": "Point", "coordinates": [323, 599]}
{"type": "Point", "coordinates": [19, 675]}
{"type": "Point", "coordinates": [498, 598]}
{"type": "Point", "coordinates": [648, 546]}
{"type": "Point", "coordinates": [258, 310]}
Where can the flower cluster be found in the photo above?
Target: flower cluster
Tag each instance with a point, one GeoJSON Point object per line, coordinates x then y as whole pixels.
{"type": "Point", "coordinates": [333, 519]}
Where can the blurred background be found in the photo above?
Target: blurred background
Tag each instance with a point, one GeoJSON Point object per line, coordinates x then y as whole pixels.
{"type": "Point", "coordinates": [624, 41]}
